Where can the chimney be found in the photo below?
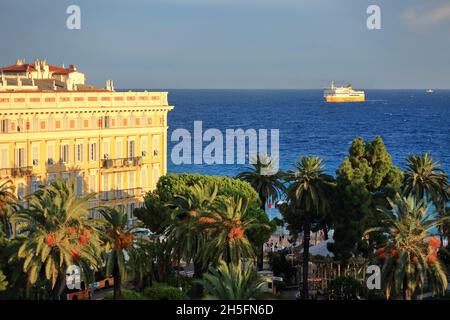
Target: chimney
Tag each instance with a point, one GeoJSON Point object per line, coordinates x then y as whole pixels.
{"type": "Point", "coordinates": [109, 85]}
{"type": "Point", "coordinates": [73, 67]}
{"type": "Point", "coordinates": [20, 62]}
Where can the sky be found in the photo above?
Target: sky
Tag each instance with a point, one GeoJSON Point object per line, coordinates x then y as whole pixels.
{"type": "Point", "coordinates": [242, 44]}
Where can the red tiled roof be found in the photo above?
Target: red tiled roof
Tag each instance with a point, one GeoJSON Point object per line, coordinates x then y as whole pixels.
{"type": "Point", "coordinates": [30, 68]}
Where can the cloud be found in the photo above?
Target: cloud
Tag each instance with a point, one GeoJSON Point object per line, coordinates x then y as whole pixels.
{"type": "Point", "coordinates": [426, 16]}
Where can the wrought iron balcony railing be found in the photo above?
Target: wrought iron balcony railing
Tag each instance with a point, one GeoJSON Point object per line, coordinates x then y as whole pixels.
{"type": "Point", "coordinates": [121, 162]}
{"type": "Point", "coordinates": [119, 194]}
{"type": "Point", "coordinates": [16, 172]}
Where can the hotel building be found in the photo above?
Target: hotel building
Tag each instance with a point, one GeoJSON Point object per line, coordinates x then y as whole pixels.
{"type": "Point", "coordinates": [52, 124]}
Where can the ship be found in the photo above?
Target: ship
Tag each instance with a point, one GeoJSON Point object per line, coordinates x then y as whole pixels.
{"type": "Point", "coordinates": [343, 94]}
{"type": "Point", "coordinates": [430, 91]}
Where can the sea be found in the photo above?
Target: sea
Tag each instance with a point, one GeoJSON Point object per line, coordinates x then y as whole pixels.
{"type": "Point", "coordinates": [409, 122]}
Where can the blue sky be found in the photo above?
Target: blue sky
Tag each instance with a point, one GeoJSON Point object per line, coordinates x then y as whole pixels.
{"type": "Point", "coordinates": [236, 43]}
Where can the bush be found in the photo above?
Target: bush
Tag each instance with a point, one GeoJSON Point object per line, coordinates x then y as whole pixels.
{"type": "Point", "coordinates": [128, 295]}
{"type": "Point", "coordinates": [162, 291]}
{"type": "Point", "coordinates": [280, 266]}
{"type": "Point", "coordinates": [185, 282]}
{"type": "Point", "coordinates": [345, 288]}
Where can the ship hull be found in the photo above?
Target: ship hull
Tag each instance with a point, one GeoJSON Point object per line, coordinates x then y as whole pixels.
{"type": "Point", "coordinates": [345, 99]}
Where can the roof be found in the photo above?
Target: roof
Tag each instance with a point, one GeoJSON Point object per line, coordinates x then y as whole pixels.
{"type": "Point", "coordinates": [31, 68]}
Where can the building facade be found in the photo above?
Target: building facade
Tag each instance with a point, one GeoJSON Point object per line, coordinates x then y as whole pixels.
{"type": "Point", "coordinates": [113, 144]}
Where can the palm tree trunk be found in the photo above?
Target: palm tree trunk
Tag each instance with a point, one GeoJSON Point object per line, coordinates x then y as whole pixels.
{"type": "Point", "coordinates": [199, 270]}
{"type": "Point", "coordinates": [325, 233]}
{"type": "Point", "coordinates": [117, 281]}
{"type": "Point", "coordinates": [59, 287]}
{"type": "Point", "coordinates": [260, 260]}
{"type": "Point", "coordinates": [306, 238]}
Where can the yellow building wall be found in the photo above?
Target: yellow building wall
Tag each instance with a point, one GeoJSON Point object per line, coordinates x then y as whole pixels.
{"type": "Point", "coordinates": [41, 122]}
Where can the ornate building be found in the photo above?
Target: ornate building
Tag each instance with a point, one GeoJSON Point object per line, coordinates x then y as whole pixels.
{"type": "Point", "coordinates": [52, 124]}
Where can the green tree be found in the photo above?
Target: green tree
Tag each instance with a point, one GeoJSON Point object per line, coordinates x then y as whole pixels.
{"type": "Point", "coordinates": [7, 205]}
{"type": "Point", "coordinates": [268, 185]}
{"type": "Point", "coordinates": [308, 200]}
{"type": "Point", "coordinates": [410, 254]}
{"type": "Point", "coordinates": [118, 239]}
{"type": "Point", "coordinates": [3, 281]}
{"type": "Point", "coordinates": [364, 180]}
{"type": "Point", "coordinates": [227, 227]}
{"type": "Point", "coordinates": [427, 181]}
{"type": "Point", "coordinates": [59, 234]}
{"type": "Point", "coordinates": [231, 282]}
{"type": "Point", "coordinates": [184, 235]}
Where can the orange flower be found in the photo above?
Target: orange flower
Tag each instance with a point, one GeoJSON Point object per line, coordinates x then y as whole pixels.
{"type": "Point", "coordinates": [432, 258]}
{"type": "Point", "coordinates": [206, 220]}
{"type": "Point", "coordinates": [434, 242]}
{"type": "Point", "coordinates": [83, 240]}
{"type": "Point", "coordinates": [235, 233]}
{"type": "Point", "coordinates": [50, 240]}
{"type": "Point", "coordinates": [86, 232]}
{"type": "Point", "coordinates": [71, 230]}
{"type": "Point", "coordinates": [75, 253]}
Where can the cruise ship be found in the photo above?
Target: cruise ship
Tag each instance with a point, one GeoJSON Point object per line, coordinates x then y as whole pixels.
{"type": "Point", "coordinates": [343, 94]}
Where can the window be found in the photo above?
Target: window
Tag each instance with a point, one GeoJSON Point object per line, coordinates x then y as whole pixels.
{"type": "Point", "coordinates": [65, 153]}
{"type": "Point", "coordinates": [131, 148]}
{"type": "Point", "coordinates": [106, 122]}
{"type": "Point", "coordinates": [58, 124]}
{"type": "Point", "coordinates": [80, 185]}
{"type": "Point", "coordinates": [125, 122]}
{"type": "Point", "coordinates": [72, 124]}
{"type": "Point", "coordinates": [144, 146]}
{"type": "Point", "coordinates": [144, 177]}
{"type": "Point", "coordinates": [156, 146]}
{"type": "Point", "coordinates": [105, 182]}
{"type": "Point", "coordinates": [92, 183]}
{"type": "Point", "coordinates": [34, 184]}
{"type": "Point", "coordinates": [106, 150]}
{"type": "Point", "coordinates": [4, 126]}
{"type": "Point", "coordinates": [21, 190]}
{"type": "Point", "coordinates": [79, 153]}
{"type": "Point", "coordinates": [93, 151]}
{"type": "Point", "coordinates": [50, 154]}
{"type": "Point", "coordinates": [42, 125]}
{"type": "Point", "coordinates": [155, 177]}
{"type": "Point", "coordinates": [119, 153]}
{"type": "Point", "coordinates": [138, 122]}
{"type": "Point", "coordinates": [86, 123]}
{"type": "Point", "coordinates": [131, 207]}
{"type": "Point", "coordinates": [20, 157]}
{"type": "Point", "coordinates": [35, 154]}
{"type": "Point", "coordinates": [4, 159]}
{"type": "Point", "coordinates": [131, 180]}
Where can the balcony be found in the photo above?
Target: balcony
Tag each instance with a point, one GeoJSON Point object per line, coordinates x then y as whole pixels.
{"type": "Point", "coordinates": [120, 194]}
{"type": "Point", "coordinates": [121, 162]}
{"type": "Point", "coordinates": [17, 172]}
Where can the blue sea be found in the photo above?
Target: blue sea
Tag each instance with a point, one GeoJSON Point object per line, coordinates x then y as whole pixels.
{"type": "Point", "coordinates": [409, 121]}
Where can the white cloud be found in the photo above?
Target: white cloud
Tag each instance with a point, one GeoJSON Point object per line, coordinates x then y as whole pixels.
{"type": "Point", "coordinates": [426, 16]}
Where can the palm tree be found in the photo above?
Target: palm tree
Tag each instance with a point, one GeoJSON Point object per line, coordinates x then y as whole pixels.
{"type": "Point", "coordinates": [184, 234]}
{"type": "Point", "coordinates": [7, 205]}
{"type": "Point", "coordinates": [425, 179]}
{"type": "Point", "coordinates": [141, 263]}
{"type": "Point", "coordinates": [59, 234]}
{"type": "Point", "coordinates": [266, 183]}
{"type": "Point", "coordinates": [3, 281]}
{"type": "Point", "coordinates": [226, 228]}
{"type": "Point", "coordinates": [410, 256]}
{"type": "Point", "coordinates": [307, 195]}
{"type": "Point", "coordinates": [118, 240]}
{"type": "Point", "coordinates": [232, 282]}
